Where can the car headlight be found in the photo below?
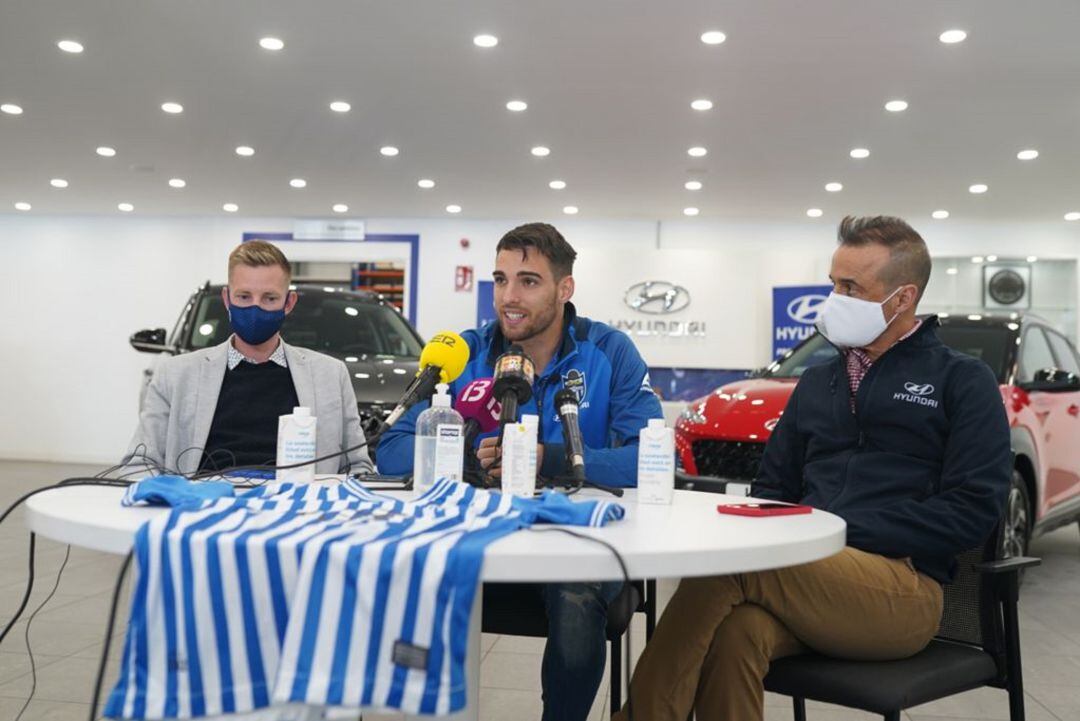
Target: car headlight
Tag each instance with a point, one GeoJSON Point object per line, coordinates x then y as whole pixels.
{"type": "Point", "coordinates": [694, 414]}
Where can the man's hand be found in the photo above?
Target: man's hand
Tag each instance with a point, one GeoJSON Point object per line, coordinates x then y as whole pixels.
{"type": "Point", "coordinates": [488, 452]}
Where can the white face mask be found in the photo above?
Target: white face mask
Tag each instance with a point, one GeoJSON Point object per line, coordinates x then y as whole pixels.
{"type": "Point", "coordinates": [850, 322]}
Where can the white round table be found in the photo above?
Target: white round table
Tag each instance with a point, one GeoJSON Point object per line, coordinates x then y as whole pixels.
{"type": "Point", "coordinates": [687, 538]}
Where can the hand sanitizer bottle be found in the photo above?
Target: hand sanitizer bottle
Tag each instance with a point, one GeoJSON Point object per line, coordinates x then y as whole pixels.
{"type": "Point", "coordinates": [440, 442]}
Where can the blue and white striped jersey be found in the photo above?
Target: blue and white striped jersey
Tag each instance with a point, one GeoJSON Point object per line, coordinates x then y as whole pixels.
{"type": "Point", "coordinates": [325, 595]}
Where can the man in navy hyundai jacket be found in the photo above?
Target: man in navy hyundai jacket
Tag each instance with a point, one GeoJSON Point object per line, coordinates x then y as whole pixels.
{"type": "Point", "coordinates": [903, 438]}
{"type": "Point", "coordinates": [533, 286]}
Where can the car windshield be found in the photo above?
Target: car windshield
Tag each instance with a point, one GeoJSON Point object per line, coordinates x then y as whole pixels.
{"type": "Point", "coordinates": [989, 343]}
{"type": "Point", "coordinates": [334, 324]}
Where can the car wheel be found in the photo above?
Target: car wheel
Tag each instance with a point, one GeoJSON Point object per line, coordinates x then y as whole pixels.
{"type": "Point", "coordinates": [1016, 531]}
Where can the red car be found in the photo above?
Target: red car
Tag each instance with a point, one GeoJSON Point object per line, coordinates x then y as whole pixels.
{"type": "Point", "coordinates": [723, 434]}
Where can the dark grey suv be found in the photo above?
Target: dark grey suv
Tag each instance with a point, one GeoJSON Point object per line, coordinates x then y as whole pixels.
{"type": "Point", "coordinates": [374, 340]}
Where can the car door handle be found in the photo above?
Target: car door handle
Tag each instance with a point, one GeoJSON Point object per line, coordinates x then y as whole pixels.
{"type": "Point", "coordinates": [1074, 410]}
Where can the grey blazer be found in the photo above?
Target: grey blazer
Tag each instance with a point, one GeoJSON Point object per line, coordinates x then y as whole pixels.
{"type": "Point", "coordinates": [182, 396]}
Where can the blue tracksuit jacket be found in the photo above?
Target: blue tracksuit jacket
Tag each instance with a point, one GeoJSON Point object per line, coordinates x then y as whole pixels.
{"type": "Point", "coordinates": [599, 363]}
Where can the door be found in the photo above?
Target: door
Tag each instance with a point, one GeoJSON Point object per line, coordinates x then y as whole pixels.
{"type": "Point", "coordinates": [1057, 428]}
{"type": "Point", "coordinates": [1066, 450]}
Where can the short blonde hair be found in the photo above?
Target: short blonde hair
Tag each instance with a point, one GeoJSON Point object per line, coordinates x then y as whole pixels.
{"type": "Point", "coordinates": [257, 253]}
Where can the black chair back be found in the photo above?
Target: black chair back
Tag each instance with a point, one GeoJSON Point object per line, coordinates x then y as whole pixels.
{"type": "Point", "coordinates": [971, 614]}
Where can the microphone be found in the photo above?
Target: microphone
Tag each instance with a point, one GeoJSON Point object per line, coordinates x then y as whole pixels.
{"type": "Point", "coordinates": [566, 403]}
{"type": "Point", "coordinates": [478, 406]}
{"type": "Point", "coordinates": [514, 375]}
{"type": "Point", "coordinates": [442, 360]}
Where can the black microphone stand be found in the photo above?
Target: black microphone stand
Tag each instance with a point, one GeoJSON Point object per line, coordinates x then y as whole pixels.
{"type": "Point", "coordinates": [574, 483]}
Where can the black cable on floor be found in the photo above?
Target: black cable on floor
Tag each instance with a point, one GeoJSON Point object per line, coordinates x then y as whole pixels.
{"type": "Point", "coordinates": [26, 636]}
{"type": "Point", "coordinates": [26, 596]}
{"type": "Point", "coordinates": [108, 636]}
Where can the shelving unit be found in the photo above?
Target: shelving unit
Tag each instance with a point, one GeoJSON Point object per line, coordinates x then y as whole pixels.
{"type": "Point", "coordinates": [386, 279]}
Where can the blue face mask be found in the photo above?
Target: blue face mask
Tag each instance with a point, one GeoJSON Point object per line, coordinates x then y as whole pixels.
{"type": "Point", "coordinates": [253, 324]}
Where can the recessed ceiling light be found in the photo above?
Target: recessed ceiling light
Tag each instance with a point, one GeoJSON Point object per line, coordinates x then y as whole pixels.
{"type": "Point", "coordinates": [298, 183]}
{"type": "Point", "coordinates": [340, 106]}
{"type": "Point", "coordinates": [1029, 154]}
{"type": "Point", "coordinates": [859, 153]}
{"type": "Point", "coordinates": [977, 259]}
{"type": "Point", "coordinates": [570, 209]}
{"type": "Point", "coordinates": [271, 43]}
{"type": "Point", "coordinates": [701, 104]}
{"type": "Point", "coordinates": [896, 106]}
{"type": "Point", "coordinates": [834, 187]}
{"type": "Point", "coordinates": [978, 188]}
{"type": "Point", "coordinates": [11, 109]}
{"type": "Point", "coordinates": [692, 185]}
{"type": "Point", "coordinates": [950, 37]}
{"type": "Point", "coordinates": [245, 150]}
{"type": "Point", "coordinates": [230, 207]}
{"type": "Point", "coordinates": [1032, 258]}
{"type": "Point", "coordinates": [58, 183]}
{"type": "Point", "coordinates": [426, 183]}
{"type": "Point", "coordinates": [1072, 216]}
{"type": "Point", "coordinates": [485, 41]}
{"type": "Point", "coordinates": [22, 206]}
{"type": "Point", "coordinates": [940, 214]}
{"type": "Point", "coordinates": [697, 152]}
{"type": "Point", "coordinates": [557, 184]}
{"type": "Point", "coordinates": [516, 106]}
{"type": "Point", "coordinates": [70, 46]}
{"type": "Point", "coordinates": [105, 151]}
{"type": "Point", "coordinates": [389, 151]}
{"type": "Point", "coordinates": [177, 183]}
{"type": "Point", "coordinates": [125, 207]}
{"type": "Point", "coordinates": [541, 151]}
{"type": "Point", "coordinates": [815, 212]}
{"type": "Point", "coordinates": [340, 208]}
{"type": "Point", "coordinates": [713, 37]}
{"type": "Point", "coordinates": [952, 270]}
{"type": "Point", "coordinates": [172, 108]}
{"type": "Point", "coordinates": [453, 208]}
{"type": "Point", "coordinates": [690, 211]}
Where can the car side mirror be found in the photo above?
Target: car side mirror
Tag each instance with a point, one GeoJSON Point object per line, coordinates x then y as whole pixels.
{"type": "Point", "coordinates": [1053, 380]}
{"type": "Point", "coordinates": [150, 340]}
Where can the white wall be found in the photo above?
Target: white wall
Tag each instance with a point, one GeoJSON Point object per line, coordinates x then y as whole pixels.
{"type": "Point", "coordinates": [75, 288]}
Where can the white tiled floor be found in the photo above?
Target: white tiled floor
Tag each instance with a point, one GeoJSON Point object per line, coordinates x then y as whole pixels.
{"type": "Point", "coordinates": [67, 635]}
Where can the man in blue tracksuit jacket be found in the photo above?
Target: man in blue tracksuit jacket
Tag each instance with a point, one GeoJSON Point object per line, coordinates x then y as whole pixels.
{"type": "Point", "coordinates": [533, 286]}
{"type": "Point", "coordinates": [903, 438]}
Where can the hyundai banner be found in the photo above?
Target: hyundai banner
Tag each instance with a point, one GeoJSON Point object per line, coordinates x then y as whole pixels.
{"type": "Point", "coordinates": [795, 308]}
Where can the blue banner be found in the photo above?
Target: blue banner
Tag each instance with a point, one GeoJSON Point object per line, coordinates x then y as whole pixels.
{"type": "Point", "coordinates": [485, 302]}
{"type": "Point", "coordinates": [795, 308]}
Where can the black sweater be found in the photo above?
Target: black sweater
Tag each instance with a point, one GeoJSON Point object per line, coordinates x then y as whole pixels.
{"type": "Point", "coordinates": [920, 470]}
{"type": "Point", "coordinates": [244, 429]}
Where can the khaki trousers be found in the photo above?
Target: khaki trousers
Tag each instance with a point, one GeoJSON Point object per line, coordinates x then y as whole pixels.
{"type": "Point", "coordinates": [713, 645]}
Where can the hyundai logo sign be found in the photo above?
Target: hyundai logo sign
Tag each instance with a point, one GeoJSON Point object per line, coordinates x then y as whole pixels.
{"type": "Point", "coordinates": [918, 389]}
{"type": "Point", "coordinates": [657, 297]}
{"type": "Point", "coordinates": [805, 308]}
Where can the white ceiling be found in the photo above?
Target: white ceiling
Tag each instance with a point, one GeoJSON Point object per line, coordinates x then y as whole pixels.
{"type": "Point", "coordinates": [608, 82]}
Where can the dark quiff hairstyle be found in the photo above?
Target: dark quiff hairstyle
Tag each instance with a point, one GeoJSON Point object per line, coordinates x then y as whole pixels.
{"type": "Point", "coordinates": [909, 260]}
{"type": "Point", "coordinates": [547, 241]}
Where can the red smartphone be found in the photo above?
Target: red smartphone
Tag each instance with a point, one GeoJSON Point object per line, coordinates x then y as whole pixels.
{"type": "Point", "coordinates": [762, 508]}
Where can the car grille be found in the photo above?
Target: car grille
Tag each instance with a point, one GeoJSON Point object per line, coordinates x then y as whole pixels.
{"type": "Point", "coordinates": [734, 460]}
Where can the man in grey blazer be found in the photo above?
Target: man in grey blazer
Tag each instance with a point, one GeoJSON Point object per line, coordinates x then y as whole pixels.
{"type": "Point", "coordinates": [219, 407]}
